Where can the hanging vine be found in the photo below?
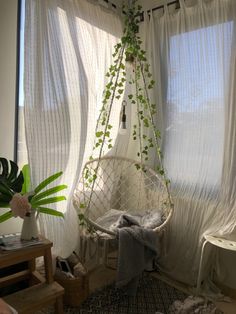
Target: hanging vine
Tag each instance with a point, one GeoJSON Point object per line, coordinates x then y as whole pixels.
{"type": "Point", "coordinates": [129, 49]}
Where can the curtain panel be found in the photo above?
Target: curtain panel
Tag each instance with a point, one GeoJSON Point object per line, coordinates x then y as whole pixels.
{"type": "Point", "coordinates": [192, 51]}
{"type": "Point", "coordinates": [68, 48]}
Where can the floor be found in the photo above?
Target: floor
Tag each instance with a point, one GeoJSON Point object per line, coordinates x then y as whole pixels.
{"type": "Point", "coordinates": [103, 276]}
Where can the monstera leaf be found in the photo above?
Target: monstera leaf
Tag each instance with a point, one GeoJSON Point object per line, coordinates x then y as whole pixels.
{"type": "Point", "coordinates": [11, 181]}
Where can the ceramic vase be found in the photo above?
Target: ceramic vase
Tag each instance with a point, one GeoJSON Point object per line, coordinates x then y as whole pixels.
{"type": "Point", "coordinates": [29, 228]}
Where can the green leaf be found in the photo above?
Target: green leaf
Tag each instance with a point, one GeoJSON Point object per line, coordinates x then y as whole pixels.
{"type": "Point", "coordinates": [99, 134]}
{"type": "Point", "coordinates": [5, 198]}
{"type": "Point", "coordinates": [49, 200]}
{"type": "Point", "coordinates": [50, 211]}
{"type": "Point", "coordinates": [4, 204]}
{"type": "Point", "coordinates": [9, 175]}
{"type": "Point", "coordinates": [47, 181]}
{"type": "Point", "coordinates": [4, 163]}
{"type": "Point", "coordinates": [5, 190]}
{"type": "Point", "coordinates": [6, 216]}
{"type": "Point", "coordinates": [26, 175]}
{"type": "Point", "coordinates": [44, 194]}
{"type": "Point", "coordinates": [81, 216]}
{"type": "Point", "coordinates": [122, 66]}
{"type": "Point", "coordinates": [13, 172]}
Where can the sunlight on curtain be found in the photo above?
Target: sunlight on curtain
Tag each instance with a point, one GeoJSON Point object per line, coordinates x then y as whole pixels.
{"type": "Point", "coordinates": [68, 48]}
{"type": "Point", "coordinates": [193, 57]}
{"type": "Point", "coordinates": [195, 107]}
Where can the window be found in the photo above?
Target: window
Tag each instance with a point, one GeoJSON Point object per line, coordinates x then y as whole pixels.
{"type": "Point", "coordinates": [194, 139]}
{"type": "Point", "coordinates": [21, 145]}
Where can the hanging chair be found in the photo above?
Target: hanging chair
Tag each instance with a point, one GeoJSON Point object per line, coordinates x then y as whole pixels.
{"type": "Point", "coordinates": [121, 185]}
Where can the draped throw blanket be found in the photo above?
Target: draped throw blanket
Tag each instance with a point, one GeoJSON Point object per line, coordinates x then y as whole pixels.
{"type": "Point", "coordinates": [68, 48]}
{"type": "Point", "coordinates": [193, 55]}
{"type": "Point", "coordinates": [138, 247]}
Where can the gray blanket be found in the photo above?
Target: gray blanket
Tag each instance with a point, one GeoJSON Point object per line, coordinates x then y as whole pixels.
{"type": "Point", "coordinates": [137, 250]}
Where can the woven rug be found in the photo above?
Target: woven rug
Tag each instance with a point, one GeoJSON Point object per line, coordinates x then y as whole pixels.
{"type": "Point", "coordinates": [153, 297]}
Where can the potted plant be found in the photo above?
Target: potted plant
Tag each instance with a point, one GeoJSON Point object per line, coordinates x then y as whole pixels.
{"type": "Point", "coordinates": [15, 194]}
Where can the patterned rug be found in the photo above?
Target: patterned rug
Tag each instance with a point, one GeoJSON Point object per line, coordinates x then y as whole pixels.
{"type": "Point", "coordinates": [153, 297]}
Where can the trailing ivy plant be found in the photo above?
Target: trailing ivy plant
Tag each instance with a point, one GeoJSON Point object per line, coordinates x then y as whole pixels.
{"type": "Point", "coordinates": [129, 50]}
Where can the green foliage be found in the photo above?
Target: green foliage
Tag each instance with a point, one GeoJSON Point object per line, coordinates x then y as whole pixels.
{"type": "Point", "coordinates": [129, 49]}
{"type": "Point", "coordinates": [5, 216]}
{"type": "Point", "coordinates": [13, 181]}
{"type": "Point", "coordinates": [47, 181]}
{"type": "Point", "coordinates": [50, 211]}
{"type": "Point", "coordinates": [26, 175]}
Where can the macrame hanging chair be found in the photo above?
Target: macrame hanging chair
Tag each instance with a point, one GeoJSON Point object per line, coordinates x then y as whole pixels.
{"type": "Point", "coordinates": [122, 185]}
{"type": "Point", "coordinates": [112, 185]}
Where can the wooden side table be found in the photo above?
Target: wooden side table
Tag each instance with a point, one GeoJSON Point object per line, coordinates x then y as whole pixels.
{"type": "Point", "coordinates": [42, 291]}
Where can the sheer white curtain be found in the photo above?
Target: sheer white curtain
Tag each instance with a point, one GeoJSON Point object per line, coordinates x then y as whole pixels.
{"type": "Point", "coordinates": [193, 55]}
{"type": "Point", "coordinates": [68, 48]}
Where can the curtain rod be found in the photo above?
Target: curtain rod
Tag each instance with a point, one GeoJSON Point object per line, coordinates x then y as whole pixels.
{"type": "Point", "coordinates": [163, 5]}
{"type": "Point", "coordinates": [153, 9]}
{"type": "Point", "coordinates": [148, 11]}
{"type": "Point", "coordinates": [111, 3]}
{"type": "Point", "coordinates": [159, 7]}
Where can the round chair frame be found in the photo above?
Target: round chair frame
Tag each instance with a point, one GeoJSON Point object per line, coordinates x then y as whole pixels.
{"type": "Point", "coordinates": [120, 183]}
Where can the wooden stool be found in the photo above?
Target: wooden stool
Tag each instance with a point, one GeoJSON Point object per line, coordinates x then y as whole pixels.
{"type": "Point", "coordinates": [42, 291]}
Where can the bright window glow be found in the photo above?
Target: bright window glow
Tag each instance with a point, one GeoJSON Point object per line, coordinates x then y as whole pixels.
{"type": "Point", "coordinates": [194, 136]}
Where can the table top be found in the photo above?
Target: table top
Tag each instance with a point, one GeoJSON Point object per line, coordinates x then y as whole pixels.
{"type": "Point", "coordinates": [8, 258]}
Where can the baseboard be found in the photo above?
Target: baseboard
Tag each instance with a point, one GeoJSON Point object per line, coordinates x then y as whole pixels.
{"type": "Point", "coordinates": [231, 292]}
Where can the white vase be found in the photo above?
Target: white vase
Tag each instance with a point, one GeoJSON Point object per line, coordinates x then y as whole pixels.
{"type": "Point", "coordinates": [29, 229]}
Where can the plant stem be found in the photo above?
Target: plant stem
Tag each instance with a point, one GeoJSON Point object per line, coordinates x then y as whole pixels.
{"type": "Point", "coordinates": [154, 132]}
{"type": "Point", "coordinates": [107, 121]}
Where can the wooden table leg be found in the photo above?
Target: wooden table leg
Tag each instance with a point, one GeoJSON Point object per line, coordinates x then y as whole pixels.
{"type": "Point", "coordinates": [48, 265]}
{"type": "Point", "coordinates": [59, 306]}
{"type": "Point", "coordinates": [31, 267]}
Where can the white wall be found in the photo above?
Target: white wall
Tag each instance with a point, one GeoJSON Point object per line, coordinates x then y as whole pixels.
{"type": "Point", "coordinates": [8, 40]}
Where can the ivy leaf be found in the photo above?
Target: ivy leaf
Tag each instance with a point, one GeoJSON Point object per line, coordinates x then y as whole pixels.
{"type": "Point", "coordinates": [99, 134]}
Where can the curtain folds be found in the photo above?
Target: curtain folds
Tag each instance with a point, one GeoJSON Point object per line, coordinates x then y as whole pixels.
{"type": "Point", "coordinates": [68, 48]}
{"type": "Point", "coordinates": [193, 56]}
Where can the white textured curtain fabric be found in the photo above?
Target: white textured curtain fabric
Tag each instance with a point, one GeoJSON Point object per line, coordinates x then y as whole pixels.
{"type": "Point", "coordinates": [194, 60]}
{"type": "Point", "coordinates": [68, 48]}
